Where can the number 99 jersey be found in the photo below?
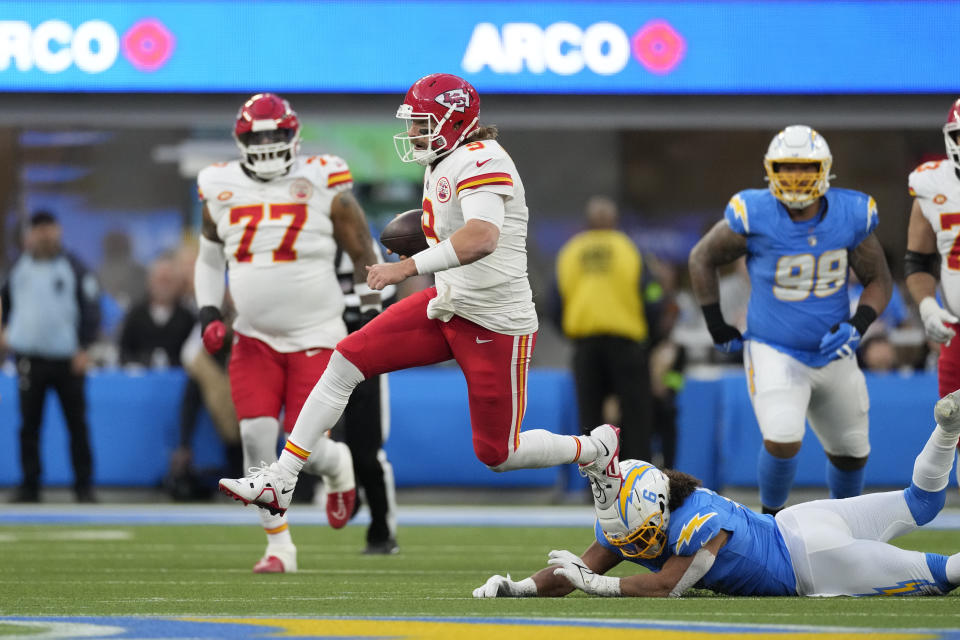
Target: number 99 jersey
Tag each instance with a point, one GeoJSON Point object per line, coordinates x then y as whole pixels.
{"type": "Point", "coordinates": [278, 240]}
{"type": "Point", "coordinates": [798, 270]}
{"type": "Point", "coordinates": [937, 189]}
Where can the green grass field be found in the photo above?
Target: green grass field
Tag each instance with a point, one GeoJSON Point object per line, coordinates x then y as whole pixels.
{"type": "Point", "coordinates": [204, 571]}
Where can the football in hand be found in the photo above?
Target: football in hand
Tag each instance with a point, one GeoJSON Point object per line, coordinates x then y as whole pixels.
{"type": "Point", "coordinates": [403, 235]}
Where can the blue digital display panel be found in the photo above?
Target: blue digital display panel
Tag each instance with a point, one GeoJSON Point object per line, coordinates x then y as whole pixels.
{"type": "Point", "coordinates": [600, 47]}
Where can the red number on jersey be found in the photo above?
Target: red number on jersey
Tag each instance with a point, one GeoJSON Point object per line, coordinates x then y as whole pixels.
{"type": "Point", "coordinates": [427, 221]}
{"type": "Point", "coordinates": [255, 213]}
{"type": "Point", "coordinates": [285, 252]}
{"type": "Point", "coordinates": [948, 220]}
{"type": "Point", "coordinates": [475, 146]}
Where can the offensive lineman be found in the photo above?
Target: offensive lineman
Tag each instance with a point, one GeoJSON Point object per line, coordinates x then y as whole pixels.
{"type": "Point", "coordinates": [480, 312]}
{"type": "Point", "coordinates": [274, 220]}
{"type": "Point", "coordinates": [935, 228]}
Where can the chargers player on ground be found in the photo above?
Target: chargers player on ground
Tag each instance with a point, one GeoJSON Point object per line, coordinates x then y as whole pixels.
{"type": "Point", "coordinates": [800, 238]}
{"type": "Point", "coordinates": [480, 313]}
{"type": "Point", "coordinates": [688, 536]}
{"type": "Point", "coordinates": [274, 220]}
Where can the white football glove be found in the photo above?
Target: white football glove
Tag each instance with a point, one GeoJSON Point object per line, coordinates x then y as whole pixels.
{"type": "Point", "coordinates": [572, 568]}
{"type": "Point", "coordinates": [935, 320]}
{"type": "Point", "coordinates": [503, 587]}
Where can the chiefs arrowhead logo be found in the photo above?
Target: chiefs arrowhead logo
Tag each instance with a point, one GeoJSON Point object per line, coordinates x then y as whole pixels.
{"type": "Point", "coordinates": [456, 99]}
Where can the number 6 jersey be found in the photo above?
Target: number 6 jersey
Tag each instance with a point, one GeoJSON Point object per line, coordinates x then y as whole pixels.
{"type": "Point", "coordinates": [494, 291]}
{"type": "Point", "coordinates": [798, 270]}
{"type": "Point", "coordinates": [278, 241]}
{"type": "Point", "coordinates": [937, 189]}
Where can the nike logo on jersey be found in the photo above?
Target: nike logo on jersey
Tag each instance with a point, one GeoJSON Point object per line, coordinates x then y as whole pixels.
{"type": "Point", "coordinates": [479, 341]}
{"type": "Point", "coordinates": [312, 352]}
{"type": "Point", "coordinates": [285, 491]}
{"type": "Point", "coordinates": [480, 164]}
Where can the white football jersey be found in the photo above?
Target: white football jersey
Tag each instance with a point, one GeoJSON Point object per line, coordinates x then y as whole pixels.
{"type": "Point", "coordinates": [937, 189]}
{"type": "Point", "coordinates": [278, 240]}
{"type": "Point", "coordinates": [494, 291]}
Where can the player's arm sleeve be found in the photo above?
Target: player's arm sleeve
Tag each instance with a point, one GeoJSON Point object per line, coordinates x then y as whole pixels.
{"type": "Point", "coordinates": [702, 561]}
{"type": "Point", "coordinates": [485, 171]}
{"type": "Point", "coordinates": [737, 215]}
{"type": "Point", "coordinates": [209, 274]}
{"type": "Point", "coordinates": [696, 532]}
{"type": "Point", "coordinates": [867, 220]}
{"type": "Point", "coordinates": [484, 205]}
{"type": "Point", "coordinates": [338, 177]}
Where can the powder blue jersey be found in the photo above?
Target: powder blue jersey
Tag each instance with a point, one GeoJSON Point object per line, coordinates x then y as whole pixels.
{"type": "Point", "coordinates": [798, 270]}
{"type": "Point", "coordinates": [753, 562]}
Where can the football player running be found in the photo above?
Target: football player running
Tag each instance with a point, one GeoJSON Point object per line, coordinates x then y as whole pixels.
{"type": "Point", "coordinates": [480, 313]}
{"type": "Point", "coordinates": [274, 219]}
{"type": "Point", "coordinates": [688, 536]}
{"type": "Point", "coordinates": [799, 237]}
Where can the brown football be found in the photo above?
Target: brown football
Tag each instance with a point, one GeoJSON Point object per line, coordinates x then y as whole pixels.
{"type": "Point", "coordinates": [403, 235]}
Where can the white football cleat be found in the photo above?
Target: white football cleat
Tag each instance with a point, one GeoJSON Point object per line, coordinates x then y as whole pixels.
{"type": "Point", "coordinates": [604, 472]}
{"type": "Point", "coordinates": [262, 486]}
{"type": "Point", "coordinates": [341, 489]}
{"type": "Point", "coordinates": [947, 412]}
{"type": "Point", "coordinates": [279, 558]}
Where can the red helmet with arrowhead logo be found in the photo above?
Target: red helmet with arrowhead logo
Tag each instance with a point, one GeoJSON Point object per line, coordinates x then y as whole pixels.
{"type": "Point", "coordinates": [268, 133]}
{"type": "Point", "coordinates": [951, 131]}
{"type": "Point", "coordinates": [438, 112]}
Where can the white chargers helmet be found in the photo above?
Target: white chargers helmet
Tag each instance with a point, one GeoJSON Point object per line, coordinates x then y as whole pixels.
{"type": "Point", "coordinates": [798, 144]}
{"type": "Point", "coordinates": [637, 523]}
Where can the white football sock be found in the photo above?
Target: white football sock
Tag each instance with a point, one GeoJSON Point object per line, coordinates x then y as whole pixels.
{"type": "Point", "coordinates": [953, 568]}
{"type": "Point", "coordinates": [931, 470]}
{"type": "Point", "coordinates": [276, 527]}
{"type": "Point", "coordinates": [320, 413]}
{"type": "Point", "coordinates": [259, 437]}
{"type": "Point", "coordinates": [541, 448]}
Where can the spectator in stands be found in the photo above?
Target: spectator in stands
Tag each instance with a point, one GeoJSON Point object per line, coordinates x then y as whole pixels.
{"type": "Point", "coordinates": [155, 329]}
{"type": "Point", "coordinates": [51, 312]}
{"type": "Point", "coordinates": [122, 278]}
{"type": "Point", "coordinates": [600, 278]}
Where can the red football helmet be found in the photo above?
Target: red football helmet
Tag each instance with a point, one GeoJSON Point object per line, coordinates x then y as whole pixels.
{"type": "Point", "coordinates": [439, 111]}
{"type": "Point", "coordinates": [268, 134]}
{"type": "Point", "coordinates": [950, 133]}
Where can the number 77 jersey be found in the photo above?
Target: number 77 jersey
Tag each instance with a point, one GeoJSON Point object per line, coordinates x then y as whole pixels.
{"type": "Point", "coordinates": [798, 270]}
{"type": "Point", "coordinates": [937, 189]}
{"type": "Point", "coordinates": [278, 241]}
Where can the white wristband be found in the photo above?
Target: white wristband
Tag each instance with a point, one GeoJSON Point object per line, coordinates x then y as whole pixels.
{"type": "Point", "coordinates": [526, 588]}
{"type": "Point", "coordinates": [439, 257]}
{"type": "Point", "coordinates": [605, 586]}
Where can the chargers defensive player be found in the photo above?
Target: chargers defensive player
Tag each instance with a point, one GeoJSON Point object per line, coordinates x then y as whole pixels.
{"type": "Point", "coordinates": [480, 313]}
{"type": "Point", "coordinates": [689, 536]}
{"type": "Point", "coordinates": [800, 237]}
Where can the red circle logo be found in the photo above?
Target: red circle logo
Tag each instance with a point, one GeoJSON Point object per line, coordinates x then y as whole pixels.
{"type": "Point", "coordinates": [148, 44]}
{"type": "Point", "coordinates": [659, 47]}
